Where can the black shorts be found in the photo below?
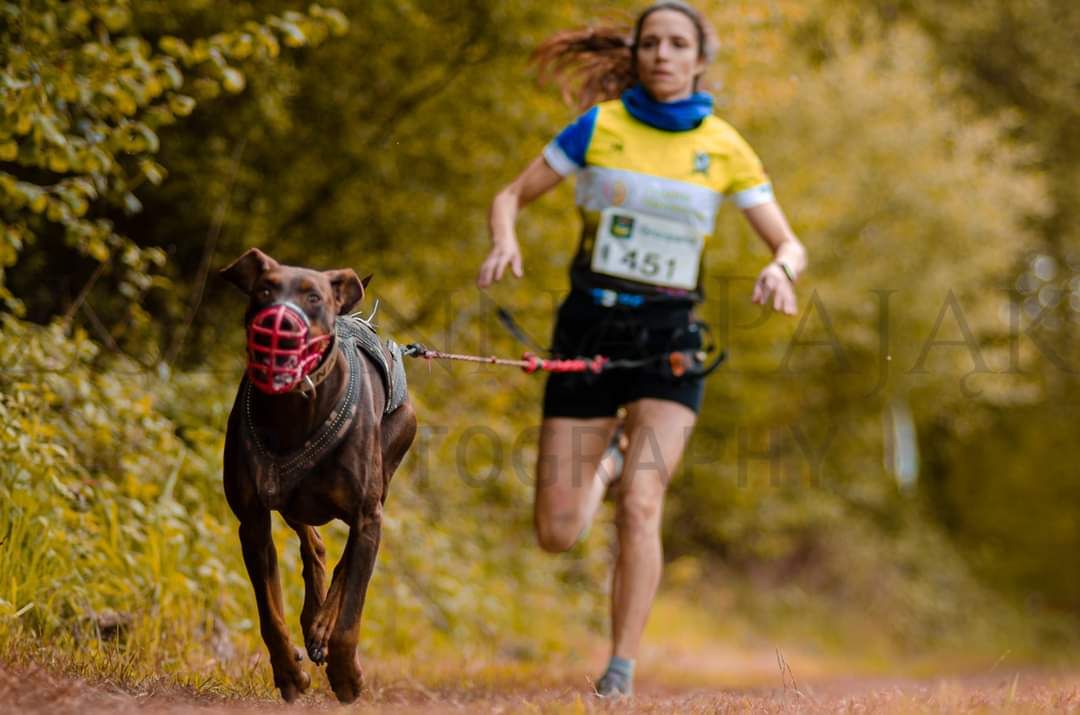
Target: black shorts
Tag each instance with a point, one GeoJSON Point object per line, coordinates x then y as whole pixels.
{"type": "Point", "coordinates": [584, 329]}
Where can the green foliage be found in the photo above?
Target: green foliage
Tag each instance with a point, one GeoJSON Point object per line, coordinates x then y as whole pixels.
{"type": "Point", "coordinates": [87, 532]}
{"type": "Point", "coordinates": [84, 97]}
{"type": "Point", "coordinates": [1020, 550]}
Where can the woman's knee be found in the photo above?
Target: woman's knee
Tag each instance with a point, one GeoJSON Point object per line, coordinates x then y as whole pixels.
{"type": "Point", "coordinates": [558, 532]}
{"type": "Point", "coordinates": [638, 514]}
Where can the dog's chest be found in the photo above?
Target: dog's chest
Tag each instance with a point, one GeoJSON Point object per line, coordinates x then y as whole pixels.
{"type": "Point", "coordinates": [317, 503]}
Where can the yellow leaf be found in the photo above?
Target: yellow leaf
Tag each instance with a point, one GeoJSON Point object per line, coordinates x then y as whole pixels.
{"type": "Point", "coordinates": [58, 163]}
{"type": "Point", "coordinates": [181, 104]}
{"type": "Point", "coordinates": [232, 80]}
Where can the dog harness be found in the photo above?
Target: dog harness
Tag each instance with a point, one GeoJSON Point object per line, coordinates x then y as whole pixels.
{"type": "Point", "coordinates": [651, 177]}
{"type": "Point", "coordinates": [279, 474]}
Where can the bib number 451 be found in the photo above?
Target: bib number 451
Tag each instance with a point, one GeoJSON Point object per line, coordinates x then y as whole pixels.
{"type": "Point", "coordinates": [648, 264]}
{"type": "Point", "coordinates": [647, 249]}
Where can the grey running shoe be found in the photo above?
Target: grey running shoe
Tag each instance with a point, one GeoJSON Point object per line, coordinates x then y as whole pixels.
{"type": "Point", "coordinates": [614, 685]}
{"type": "Point", "coordinates": [616, 451]}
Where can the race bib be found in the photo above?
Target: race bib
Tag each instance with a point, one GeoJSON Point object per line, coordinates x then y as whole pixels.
{"type": "Point", "coordinates": [647, 249]}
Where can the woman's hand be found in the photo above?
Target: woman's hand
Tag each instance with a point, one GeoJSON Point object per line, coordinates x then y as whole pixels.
{"type": "Point", "coordinates": [770, 224]}
{"type": "Point", "coordinates": [773, 283]}
{"type": "Point", "coordinates": [504, 253]}
{"type": "Point", "coordinates": [537, 179]}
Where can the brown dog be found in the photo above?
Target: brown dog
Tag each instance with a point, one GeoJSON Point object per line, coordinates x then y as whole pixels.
{"type": "Point", "coordinates": [326, 450]}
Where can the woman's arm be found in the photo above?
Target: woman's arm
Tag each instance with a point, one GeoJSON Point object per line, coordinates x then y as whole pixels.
{"type": "Point", "coordinates": [537, 179]}
{"type": "Point", "coordinates": [769, 222]}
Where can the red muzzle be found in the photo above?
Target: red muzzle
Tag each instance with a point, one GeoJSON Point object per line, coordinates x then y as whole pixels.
{"type": "Point", "coordinates": [281, 351]}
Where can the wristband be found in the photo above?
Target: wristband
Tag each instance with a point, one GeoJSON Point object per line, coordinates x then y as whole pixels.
{"type": "Point", "coordinates": [787, 271]}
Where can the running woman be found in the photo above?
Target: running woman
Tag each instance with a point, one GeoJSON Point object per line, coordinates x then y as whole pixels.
{"type": "Point", "coordinates": [653, 165]}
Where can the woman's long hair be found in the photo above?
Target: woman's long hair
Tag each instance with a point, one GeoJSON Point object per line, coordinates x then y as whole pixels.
{"type": "Point", "coordinates": [594, 64]}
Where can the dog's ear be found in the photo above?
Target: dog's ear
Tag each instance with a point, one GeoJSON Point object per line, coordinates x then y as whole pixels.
{"type": "Point", "coordinates": [245, 270]}
{"type": "Point", "coordinates": [348, 288]}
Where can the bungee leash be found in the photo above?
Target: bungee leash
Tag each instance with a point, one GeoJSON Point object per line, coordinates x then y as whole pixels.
{"type": "Point", "coordinates": [678, 363]}
{"type": "Point", "coordinates": [675, 364]}
{"type": "Point", "coordinates": [528, 363]}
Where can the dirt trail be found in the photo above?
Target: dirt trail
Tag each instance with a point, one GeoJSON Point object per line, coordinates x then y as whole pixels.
{"type": "Point", "coordinates": [36, 690]}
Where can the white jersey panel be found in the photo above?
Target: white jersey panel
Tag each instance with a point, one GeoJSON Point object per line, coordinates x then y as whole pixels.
{"type": "Point", "coordinates": [599, 188]}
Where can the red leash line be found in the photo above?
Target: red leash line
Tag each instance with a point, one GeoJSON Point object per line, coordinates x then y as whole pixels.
{"type": "Point", "coordinates": [528, 362]}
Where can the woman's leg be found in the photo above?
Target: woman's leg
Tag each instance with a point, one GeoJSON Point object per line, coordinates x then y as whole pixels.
{"type": "Point", "coordinates": [568, 487]}
{"type": "Point", "coordinates": [658, 431]}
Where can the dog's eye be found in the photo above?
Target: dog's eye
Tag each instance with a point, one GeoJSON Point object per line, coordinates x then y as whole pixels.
{"type": "Point", "coordinates": [314, 298]}
{"type": "Point", "coordinates": [262, 293]}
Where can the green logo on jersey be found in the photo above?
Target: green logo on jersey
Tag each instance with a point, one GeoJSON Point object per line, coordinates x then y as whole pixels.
{"type": "Point", "coordinates": [701, 163]}
{"type": "Point", "coordinates": [622, 226]}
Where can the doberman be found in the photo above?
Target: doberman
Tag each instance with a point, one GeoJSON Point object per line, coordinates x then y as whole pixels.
{"type": "Point", "coordinates": [325, 449]}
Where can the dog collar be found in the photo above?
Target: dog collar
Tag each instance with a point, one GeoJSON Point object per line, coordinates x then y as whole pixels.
{"type": "Point", "coordinates": [317, 376]}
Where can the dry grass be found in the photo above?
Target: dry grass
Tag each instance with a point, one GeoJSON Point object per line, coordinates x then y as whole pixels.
{"type": "Point", "coordinates": [34, 689]}
{"type": "Point", "coordinates": [692, 661]}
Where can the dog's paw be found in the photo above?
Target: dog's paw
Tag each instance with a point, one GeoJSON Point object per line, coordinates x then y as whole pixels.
{"type": "Point", "coordinates": [316, 653]}
{"type": "Point", "coordinates": [291, 682]}
{"type": "Point", "coordinates": [346, 677]}
{"type": "Point", "coordinates": [316, 650]}
{"type": "Point", "coordinates": [317, 639]}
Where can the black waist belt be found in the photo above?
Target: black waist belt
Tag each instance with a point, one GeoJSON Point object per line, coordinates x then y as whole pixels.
{"type": "Point", "coordinates": [608, 298]}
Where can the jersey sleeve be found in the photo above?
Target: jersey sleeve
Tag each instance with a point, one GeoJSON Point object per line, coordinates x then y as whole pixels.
{"type": "Point", "coordinates": [566, 152]}
{"type": "Point", "coordinates": [749, 185]}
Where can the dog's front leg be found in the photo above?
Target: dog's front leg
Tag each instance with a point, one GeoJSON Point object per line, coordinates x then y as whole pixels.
{"type": "Point", "coordinates": [343, 663]}
{"type": "Point", "coordinates": [260, 558]}
{"type": "Point", "coordinates": [317, 635]}
{"type": "Point", "coordinates": [313, 556]}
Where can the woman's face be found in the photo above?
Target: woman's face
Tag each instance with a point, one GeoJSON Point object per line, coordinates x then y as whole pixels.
{"type": "Point", "coordinates": [668, 55]}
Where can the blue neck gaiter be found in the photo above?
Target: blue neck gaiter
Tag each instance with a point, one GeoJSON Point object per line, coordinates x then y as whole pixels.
{"type": "Point", "coordinates": [677, 116]}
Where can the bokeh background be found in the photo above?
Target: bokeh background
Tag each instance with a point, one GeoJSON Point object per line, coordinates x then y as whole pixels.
{"type": "Point", "coordinates": [890, 477]}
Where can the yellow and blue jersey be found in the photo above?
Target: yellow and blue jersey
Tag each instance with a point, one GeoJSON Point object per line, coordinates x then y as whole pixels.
{"type": "Point", "coordinates": [676, 162]}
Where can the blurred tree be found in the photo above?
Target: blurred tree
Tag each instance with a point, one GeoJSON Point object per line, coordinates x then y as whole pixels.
{"type": "Point", "coordinates": [1017, 60]}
